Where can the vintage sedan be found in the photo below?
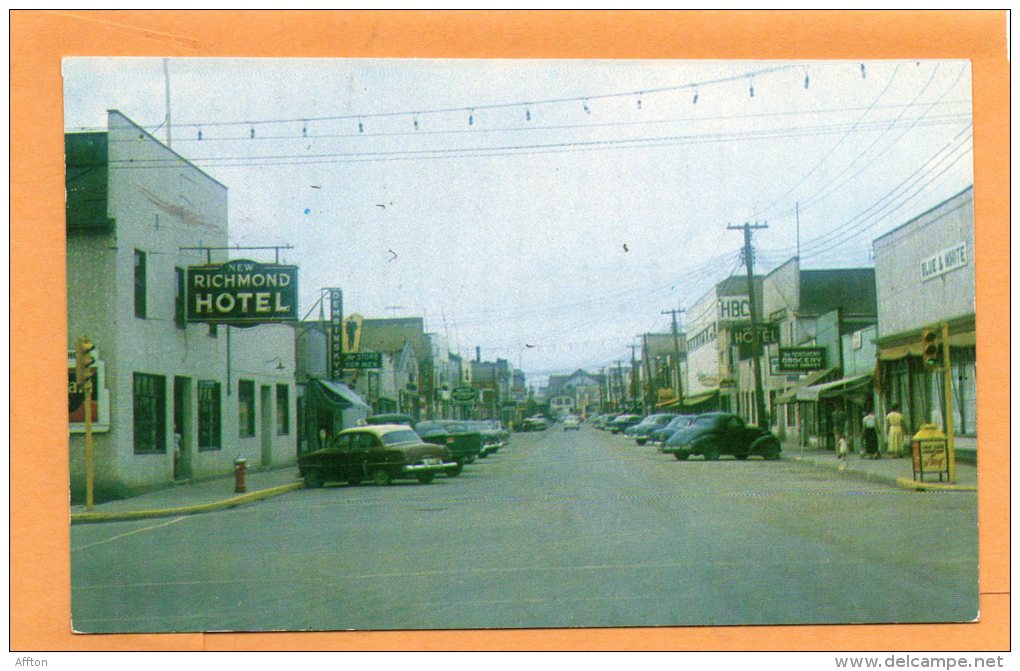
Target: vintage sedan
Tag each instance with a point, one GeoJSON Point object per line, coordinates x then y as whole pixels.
{"type": "Point", "coordinates": [621, 422]}
{"type": "Point", "coordinates": [717, 433]}
{"type": "Point", "coordinates": [380, 453]}
{"type": "Point", "coordinates": [660, 436]}
{"type": "Point", "coordinates": [640, 432]}
{"type": "Point", "coordinates": [464, 445]}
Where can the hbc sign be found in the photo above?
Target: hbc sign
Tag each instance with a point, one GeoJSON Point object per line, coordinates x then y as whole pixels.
{"type": "Point", "coordinates": [242, 293]}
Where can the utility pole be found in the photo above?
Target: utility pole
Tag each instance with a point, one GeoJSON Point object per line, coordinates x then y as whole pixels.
{"type": "Point", "coordinates": [676, 359]}
{"type": "Point", "coordinates": [759, 396]}
{"type": "Point", "coordinates": [619, 383]}
{"type": "Point", "coordinates": [646, 389]}
{"type": "Point", "coordinates": [633, 373]}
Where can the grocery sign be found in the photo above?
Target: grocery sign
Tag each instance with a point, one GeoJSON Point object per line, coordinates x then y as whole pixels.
{"type": "Point", "coordinates": [800, 359]}
{"type": "Point", "coordinates": [242, 293]}
{"type": "Point", "coordinates": [464, 394]}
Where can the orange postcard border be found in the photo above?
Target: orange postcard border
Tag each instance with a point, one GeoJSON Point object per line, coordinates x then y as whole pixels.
{"type": "Point", "coordinates": [39, 516]}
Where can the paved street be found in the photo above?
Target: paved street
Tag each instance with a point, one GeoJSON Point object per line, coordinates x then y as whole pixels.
{"type": "Point", "coordinates": [561, 529]}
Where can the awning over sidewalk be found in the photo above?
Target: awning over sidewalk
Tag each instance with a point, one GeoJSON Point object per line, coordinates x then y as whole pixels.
{"type": "Point", "coordinates": [340, 394]}
{"type": "Point", "coordinates": [829, 389]}
{"type": "Point", "coordinates": [791, 394]}
{"type": "Point", "coordinates": [698, 399]}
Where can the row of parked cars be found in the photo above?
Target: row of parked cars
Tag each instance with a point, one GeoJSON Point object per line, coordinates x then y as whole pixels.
{"type": "Point", "coordinates": [393, 446]}
{"type": "Point", "coordinates": [710, 435]}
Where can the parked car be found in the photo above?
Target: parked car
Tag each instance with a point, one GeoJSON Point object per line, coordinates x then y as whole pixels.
{"type": "Point", "coordinates": [603, 420]}
{"type": "Point", "coordinates": [619, 424]}
{"type": "Point", "coordinates": [661, 435]}
{"type": "Point", "coordinates": [717, 433]}
{"type": "Point", "coordinates": [380, 453]}
{"type": "Point", "coordinates": [642, 430]}
{"type": "Point", "coordinates": [390, 418]}
{"type": "Point", "coordinates": [572, 422]}
{"type": "Point", "coordinates": [536, 423]}
{"type": "Point", "coordinates": [462, 448]}
{"type": "Point", "coordinates": [490, 435]}
{"type": "Point", "coordinates": [467, 441]}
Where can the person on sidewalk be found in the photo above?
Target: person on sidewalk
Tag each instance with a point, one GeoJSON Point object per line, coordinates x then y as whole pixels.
{"type": "Point", "coordinates": [870, 435]}
{"type": "Point", "coordinates": [839, 432]}
{"type": "Point", "coordinates": [894, 426]}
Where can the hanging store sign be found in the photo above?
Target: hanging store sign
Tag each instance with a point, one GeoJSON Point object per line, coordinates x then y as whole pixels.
{"type": "Point", "coordinates": [943, 262]}
{"type": "Point", "coordinates": [242, 293]}
{"type": "Point", "coordinates": [362, 360]}
{"type": "Point", "coordinates": [743, 338]}
{"type": "Point", "coordinates": [464, 394]}
{"type": "Point", "coordinates": [352, 334]}
{"type": "Point", "coordinates": [734, 308]}
{"type": "Point", "coordinates": [800, 359]}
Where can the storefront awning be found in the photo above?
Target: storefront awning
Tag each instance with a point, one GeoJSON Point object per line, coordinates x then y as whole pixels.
{"type": "Point", "coordinates": [341, 394]}
{"type": "Point", "coordinates": [698, 399]}
{"type": "Point", "coordinates": [665, 405]}
{"type": "Point", "coordinates": [829, 389]}
{"type": "Point", "coordinates": [791, 394]}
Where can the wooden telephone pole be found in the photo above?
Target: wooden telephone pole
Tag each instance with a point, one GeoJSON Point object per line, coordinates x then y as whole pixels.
{"type": "Point", "coordinates": [678, 374]}
{"type": "Point", "coordinates": [759, 394]}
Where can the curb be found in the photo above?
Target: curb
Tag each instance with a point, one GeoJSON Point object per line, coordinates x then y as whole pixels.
{"type": "Point", "coordinates": [907, 483]}
{"type": "Point", "coordinates": [904, 483]}
{"type": "Point", "coordinates": [90, 518]}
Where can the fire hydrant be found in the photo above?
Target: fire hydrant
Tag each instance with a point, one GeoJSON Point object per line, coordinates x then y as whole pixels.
{"type": "Point", "coordinates": [239, 466]}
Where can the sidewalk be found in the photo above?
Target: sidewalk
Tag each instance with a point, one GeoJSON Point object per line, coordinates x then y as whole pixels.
{"type": "Point", "coordinates": [898, 472]}
{"type": "Point", "coordinates": [188, 498]}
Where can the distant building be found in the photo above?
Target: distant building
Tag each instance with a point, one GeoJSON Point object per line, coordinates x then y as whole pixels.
{"type": "Point", "coordinates": [574, 394]}
{"type": "Point", "coordinates": [176, 401]}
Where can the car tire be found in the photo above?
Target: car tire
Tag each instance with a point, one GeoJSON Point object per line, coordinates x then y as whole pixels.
{"type": "Point", "coordinates": [426, 477]}
{"type": "Point", "coordinates": [771, 451]}
{"type": "Point", "coordinates": [313, 479]}
{"type": "Point", "coordinates": [742, 456]}
{"type": "Point", "coordinates": [641, 441]}
{"type": "Point", "coordinates": [710, 451]}
{"type": "Point", "coordinates": [354, 481]}
{"type": "Point", "coordinates": [381, 477]}
{"type": "Point", "coordinates": [454, 471]}
{"type": "Point", "coordinates": [681, 455]}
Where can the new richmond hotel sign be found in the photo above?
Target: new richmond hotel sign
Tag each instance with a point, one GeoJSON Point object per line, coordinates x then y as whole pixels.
{"type": "Point", "coordinates": [242, 293]}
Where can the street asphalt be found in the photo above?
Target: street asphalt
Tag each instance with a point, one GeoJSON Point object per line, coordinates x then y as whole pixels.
{"type": "Point", "coordinates": [557, 530]}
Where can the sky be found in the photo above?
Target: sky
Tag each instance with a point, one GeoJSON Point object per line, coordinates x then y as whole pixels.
{"type": "Point", "coordinates": [548, 212]}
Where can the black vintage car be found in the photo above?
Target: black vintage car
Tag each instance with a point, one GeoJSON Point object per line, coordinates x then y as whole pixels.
{"type": "Point", "coordinates": [621, 422]}
{"type": "Point", "coordinates": [717, 433]}
{"type": "Point", "coordinates": [464, 446]}
{"type": "Point", "coordinates": [380, 453]}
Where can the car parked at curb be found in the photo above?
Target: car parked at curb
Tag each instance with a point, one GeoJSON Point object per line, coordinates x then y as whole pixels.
{"type": "Point", "coordinates": [536, 423]}
{"type": "Point", "coordinates": [380, 453]}
{"type": "Point", "coordinates": [660, 436]}
{"type": "Point", "coordinates": [467, 441]}
{"type": "Point", "coordinates": [643, 429]}
{"type": "Point", "coordinates": [620, 424]}
{"type": "Point", "coordinates": [717, 433]}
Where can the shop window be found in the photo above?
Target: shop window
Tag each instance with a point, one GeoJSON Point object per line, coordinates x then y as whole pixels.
{"type": "Point", "coordinates": [149, 413]}
{"type": "Point", "coordinates": [246, 408]}
{"type": "Point", "coordinates": [140, 288]}
{"type": "Point", "coordinates": [282, 410]}
{"type": "Point", "coordinates": [964, 365]}
{"type": "Point", "coordinates": [210, 412]}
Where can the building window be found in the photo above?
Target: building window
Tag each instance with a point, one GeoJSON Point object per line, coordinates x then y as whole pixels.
{"type": "Point", "coordinates": [149, 413]}
{"type": "Point", "coordinates": [140, 284]}
{"type": "Point", "coordinates": [282, 410]}
{"type": "Point", "coordinates": [180, 318]}
{"type": "Point", "coordinates": [209, 415]}
{"type": "Point", "coordinates": [964, 384]}
{"type": "Point", "coordinates": [246, 408]}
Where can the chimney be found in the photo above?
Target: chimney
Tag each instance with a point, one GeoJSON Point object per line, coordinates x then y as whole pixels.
{"type": "Point", "coordinates": [478, 354]}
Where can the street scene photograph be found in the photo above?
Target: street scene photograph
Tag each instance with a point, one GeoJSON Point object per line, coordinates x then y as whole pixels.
{"type": "Point", "coordinates": [426, 344]}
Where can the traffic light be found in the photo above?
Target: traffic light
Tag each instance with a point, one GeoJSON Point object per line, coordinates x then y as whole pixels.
{"type": "Point", "coordinates": [84, 360]}
{"type": "Point", "coordinates": [930, 346]}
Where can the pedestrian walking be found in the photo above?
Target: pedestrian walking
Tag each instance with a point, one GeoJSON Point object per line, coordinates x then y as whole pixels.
{"type": "Point", "coordinates": [894, 426]}
{"type": "Point", "coordinates": [870, 435]}
{"type": "Point", "coordinates": [839, 432]}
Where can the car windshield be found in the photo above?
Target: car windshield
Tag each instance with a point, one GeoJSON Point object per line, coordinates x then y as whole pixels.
{"type": "Point", "coordinates": [705, 420]}
{"type": "Point", "coordinates": [397, 437]}
{"type": "Point", "coordinates": [456, 427]}
{"type": "Point", "coordinates": [679, 422]}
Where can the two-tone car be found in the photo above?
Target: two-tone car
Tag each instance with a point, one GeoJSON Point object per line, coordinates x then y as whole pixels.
{"type": "Point", "coordinates": [717, 433]}
{"type": "Point", "coordinates": [380, 453]}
